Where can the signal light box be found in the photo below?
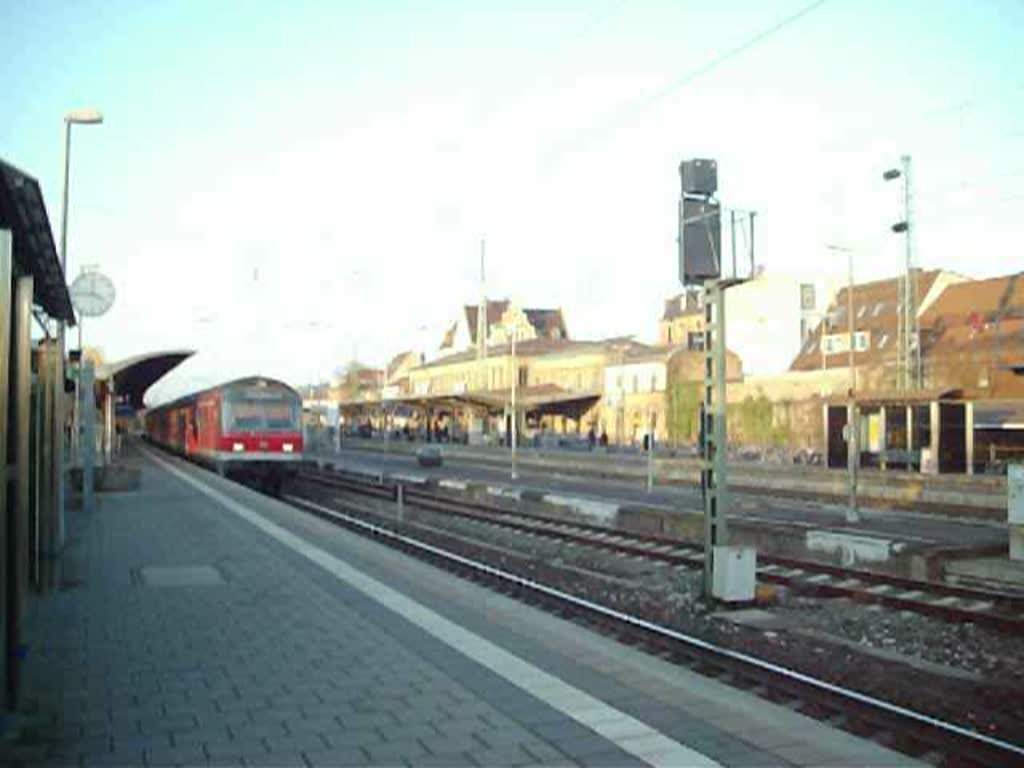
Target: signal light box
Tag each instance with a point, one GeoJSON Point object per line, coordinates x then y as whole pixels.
{"type": "Point", "coordinates": [699, 177]}
{"type": "Point", "coordinates": [700, 241]}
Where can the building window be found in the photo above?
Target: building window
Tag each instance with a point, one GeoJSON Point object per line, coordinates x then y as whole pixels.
{"type": "Point", "coordinates": [695, 341]}
{"type": "Point", "coordinates": [807, 296]}
{"type": "Point", "coordinates": [860, 341]}
{"type": "Point", "coordinates": [878, 309]}
{"type": "Point", "coordinates": [670, 334]}
{"type": "Point", "coordinates": [861, 312]}
{"type": "Point", "coordinates": [882, 341]}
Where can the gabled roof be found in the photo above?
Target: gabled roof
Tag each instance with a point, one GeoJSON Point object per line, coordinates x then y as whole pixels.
{"type": "Point", "coordinates": [448, 340]}
{"type": "Point", "coordinates": [683, 304]}
{"type": "Point", "coordinates": [495, 309]}
{"type": "Point", "coordinates": [399, 362]}
{"type": "Point", "coordinates": [547, 322]}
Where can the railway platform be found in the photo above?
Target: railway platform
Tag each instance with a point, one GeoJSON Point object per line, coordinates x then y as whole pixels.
{"type": "Point", "coordinates": [199, 622]}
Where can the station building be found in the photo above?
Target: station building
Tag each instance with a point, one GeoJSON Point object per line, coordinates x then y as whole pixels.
{"type": "Point", "coordinates": [967, 415]}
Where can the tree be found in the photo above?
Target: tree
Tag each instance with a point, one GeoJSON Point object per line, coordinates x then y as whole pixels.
{"type": "Point", "coordinates": [683, 411]}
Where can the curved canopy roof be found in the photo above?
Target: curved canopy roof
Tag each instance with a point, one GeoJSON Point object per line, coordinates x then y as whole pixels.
{"type": "Point", "coordinates": [134, 375]}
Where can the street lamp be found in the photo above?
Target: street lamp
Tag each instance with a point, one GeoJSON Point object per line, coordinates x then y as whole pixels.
{"type": "Point", "coordinates": [515, 382]}
{"type": "Point", "coordinates": [621, 347]}
{"type": "Point", "coordinates": [80, 117]}
{"type": "Point", "coordinates": [852, 443]}
{"type": "Point", "coordinates": [907, 370]}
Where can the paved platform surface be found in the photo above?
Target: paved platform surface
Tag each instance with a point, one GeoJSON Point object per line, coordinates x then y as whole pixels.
{"type": "Point", "coordinates": [203, 624]}
{"type": "Point", "coordinates": [920, 529]}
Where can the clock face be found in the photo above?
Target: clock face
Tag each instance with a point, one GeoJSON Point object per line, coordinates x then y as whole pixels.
{"type": "Point", "coordinates": [92, 294]}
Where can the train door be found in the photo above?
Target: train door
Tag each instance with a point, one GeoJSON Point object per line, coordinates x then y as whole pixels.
{"type": "Point", "coordinates": [191, 429]}
{"type": "Point", "coordinates": [179, 429]}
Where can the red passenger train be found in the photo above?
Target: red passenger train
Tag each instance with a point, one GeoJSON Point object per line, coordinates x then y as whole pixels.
{"type": "Point", "coordinates": [249, 428]}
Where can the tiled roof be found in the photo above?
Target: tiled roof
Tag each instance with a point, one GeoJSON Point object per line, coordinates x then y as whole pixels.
{"type": "Point", "coordinates": [976, 300]}
{"type": "Point", "coordinates": [407, 358]}
{"type": "Point", "coordinates": [525, 348]}
{"type": "Point", "coordinates": [1002, 342]}
{"type": "Point", "coordinates": [875, 311]}
{"type": "Point", "coordinates": [681, 305]}
{"type": "Point", "coordinates": [495, 309]}
{"type": "Point", "coordinates": [542, 346]}
{"type": "Point", "coordinates": [547, 322]}
{"type": "Point", "coordinates": [448, 340]}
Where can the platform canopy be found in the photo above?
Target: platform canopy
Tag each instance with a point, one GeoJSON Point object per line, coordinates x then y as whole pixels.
{"type": "Point", "coordinates": [134, 375]}
{"type": "Point", "coordinates": [23, 213]}
{"type": "Point", "coordinates": [542, 398]}
{"type": "Point", "coordinates": [1006, 414]}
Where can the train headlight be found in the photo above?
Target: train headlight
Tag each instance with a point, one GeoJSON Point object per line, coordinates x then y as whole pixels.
{"type": "Point", "coordinates": [238, 447]}
{"type": "Point", "coordinates": [287, 447]}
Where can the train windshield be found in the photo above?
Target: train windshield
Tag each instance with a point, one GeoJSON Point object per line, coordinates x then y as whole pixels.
{"type": "Point", "coordinates": [261, 410]}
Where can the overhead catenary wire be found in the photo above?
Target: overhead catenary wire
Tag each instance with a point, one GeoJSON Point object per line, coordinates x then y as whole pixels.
{"type": "Point", "coordinates": [612, 123]}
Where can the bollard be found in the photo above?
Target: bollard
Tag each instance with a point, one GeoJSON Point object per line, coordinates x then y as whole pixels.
{"type": "Point", "coordinates": [400, 496]}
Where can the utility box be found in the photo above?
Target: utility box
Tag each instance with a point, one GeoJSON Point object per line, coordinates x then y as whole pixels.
{"type": "Point", "coordinates": [1015, 509]}
{"type": "Point", "coordinates": [928, 464]}
{"type": "Point", "coordinates": [734, 574]}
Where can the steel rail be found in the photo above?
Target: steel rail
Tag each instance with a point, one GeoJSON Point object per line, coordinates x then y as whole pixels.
{"type": "Point", "coordinates": [1003, 749]}
{"type": "Point", "coordinates": [1001, 620]}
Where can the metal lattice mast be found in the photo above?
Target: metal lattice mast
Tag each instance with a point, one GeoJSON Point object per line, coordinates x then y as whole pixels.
{"type": "Point", "coordinates": [913, 341]}
{"type": "Point", "coordinates": [713, 427]}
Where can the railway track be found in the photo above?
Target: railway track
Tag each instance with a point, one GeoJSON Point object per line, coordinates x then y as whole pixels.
{"type": "Point", "coordinates": [899, 728]}
{"type": "Point", "coordinates": [952, 603]}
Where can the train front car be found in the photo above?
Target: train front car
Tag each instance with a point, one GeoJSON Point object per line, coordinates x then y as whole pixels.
{"type": "Point", "coordinates": [256, 429]}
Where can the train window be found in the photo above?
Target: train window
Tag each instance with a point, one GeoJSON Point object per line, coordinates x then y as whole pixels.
{"type": "Point", "coordinates": [260, 410]}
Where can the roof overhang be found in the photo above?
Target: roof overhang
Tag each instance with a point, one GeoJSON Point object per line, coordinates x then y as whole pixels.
{"type": "Point", "coordinates": [543, 398]}
{"type": "Point", "coordinates": [917, 397]}
{"type": "Point", "coordinates": [999, 415]}
{"type": "Point", "coordinates": [23, 212]}
{"type": "Point", "coordinates": [134, 375]}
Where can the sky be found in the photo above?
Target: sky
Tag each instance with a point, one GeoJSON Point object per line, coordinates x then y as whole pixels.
{"type": "Point", "coordinates": [285, 187]}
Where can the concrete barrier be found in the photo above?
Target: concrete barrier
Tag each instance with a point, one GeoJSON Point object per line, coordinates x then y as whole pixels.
{"type": "Point", "coordinates": [833, 548]}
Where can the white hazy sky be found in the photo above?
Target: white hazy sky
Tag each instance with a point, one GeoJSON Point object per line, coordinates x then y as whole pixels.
{"type": "Point", "coordinates": [284, 185]}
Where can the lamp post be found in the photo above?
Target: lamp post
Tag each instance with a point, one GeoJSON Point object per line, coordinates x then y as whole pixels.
{"type": "Point", "coordinates": [650, 450]}
{"type": "Point", "coordinates": [620, 410]}
{"type": "Point", "coordinates": [908, 371]}
{"type": "Point", "coordinates": [79, 117]}
{"type": "Point", "coordinates": [852, 420]}
{"type": "Point", "coordinates": [515, 383]}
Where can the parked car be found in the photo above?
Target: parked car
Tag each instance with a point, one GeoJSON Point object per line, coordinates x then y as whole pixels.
{"type": "Point", "coordinates": [429, 456]}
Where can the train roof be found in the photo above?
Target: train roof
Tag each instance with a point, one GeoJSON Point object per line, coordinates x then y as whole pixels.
{"type": "Point", "coordinates": [189, 398]}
